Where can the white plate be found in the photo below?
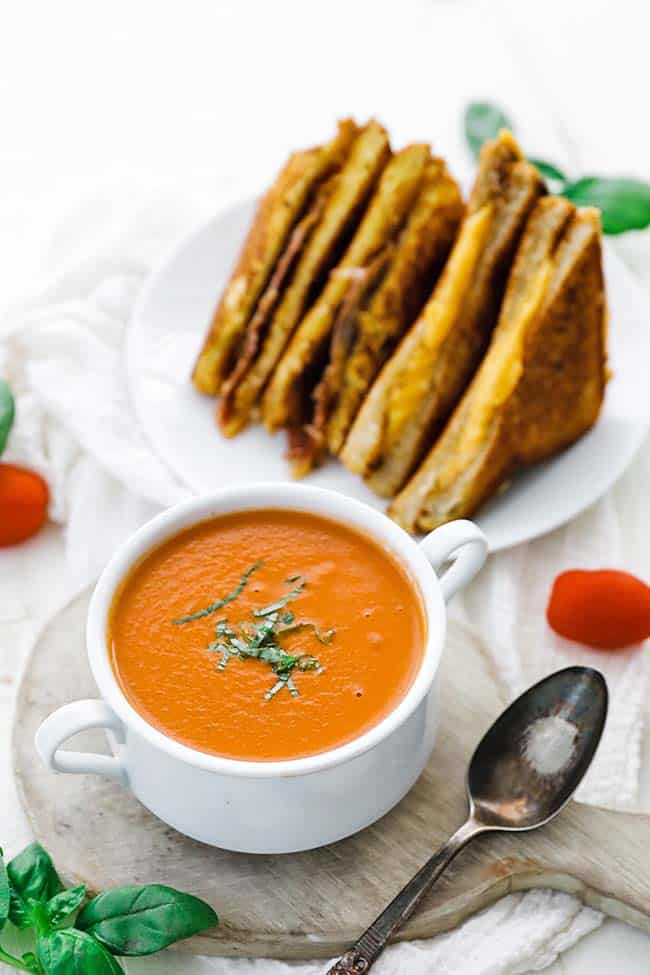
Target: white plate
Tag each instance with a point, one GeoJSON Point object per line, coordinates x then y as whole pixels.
{"type": "Point", "coordinates": [167, 328]}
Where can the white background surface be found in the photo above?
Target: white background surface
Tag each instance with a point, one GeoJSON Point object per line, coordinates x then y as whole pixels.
{"type": "Point", "coordinates": [199, 101]}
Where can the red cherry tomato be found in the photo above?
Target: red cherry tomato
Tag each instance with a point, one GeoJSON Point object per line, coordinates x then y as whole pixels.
{"type": "Point", "coordinates": [606, 609]}
{"type": "Point", "coordinates": [24, 497]}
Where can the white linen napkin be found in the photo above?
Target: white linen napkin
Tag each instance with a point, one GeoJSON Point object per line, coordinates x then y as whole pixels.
{"type": "Point", "coordinates": [62, 353]}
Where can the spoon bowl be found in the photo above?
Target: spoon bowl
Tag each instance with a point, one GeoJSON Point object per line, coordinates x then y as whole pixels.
{"type": "Point", "coordinates": [530, 762]}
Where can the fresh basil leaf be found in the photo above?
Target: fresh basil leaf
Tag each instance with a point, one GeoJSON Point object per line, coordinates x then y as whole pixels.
{"type": "Point", "coordinates": [482, 122]}
{"type": "Point", "coordinates": [63, 904]}
{"type": "Point", "coordinates": [31, 961]}
{"type": "Point", "coordinates": [32, 877]}
{"type": "Point", "coordinates": [7, 413]}
{"type": "Point", "coordinates": [550, 172]}
{"type": "Point", "coordinates": [624, 204]}
{"type": "Point", "coordinates": [38, 917]}
{"type": "Point", "coordinates": [4, 893]}
{"type": "Point", "coordinates": [72, 952]}
{"type": "Point", "coordinates": [140, 920]}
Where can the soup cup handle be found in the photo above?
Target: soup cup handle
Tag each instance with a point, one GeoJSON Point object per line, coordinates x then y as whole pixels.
{"type": "Point", "coordinates": [464, 546]}
{"type": "Point", "coordinates": [68, 721]}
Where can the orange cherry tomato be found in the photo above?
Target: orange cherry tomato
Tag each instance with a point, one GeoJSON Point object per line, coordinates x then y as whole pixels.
{"type": "Point", "coordinates": [24, 497]}
{"type": "Point", "coordinates": [605, 608]}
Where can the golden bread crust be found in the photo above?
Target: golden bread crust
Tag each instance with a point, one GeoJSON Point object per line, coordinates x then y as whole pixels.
{"type": "Point", "coordinates": [229, 419]}
{"type": "Point", "coordinates": [276, 214]}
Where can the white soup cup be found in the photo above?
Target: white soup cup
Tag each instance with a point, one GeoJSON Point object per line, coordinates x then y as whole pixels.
{"type": "Point", "coordinates": [269, 807]}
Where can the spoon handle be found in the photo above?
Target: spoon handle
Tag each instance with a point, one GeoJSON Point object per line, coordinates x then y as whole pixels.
{"type": "Point", "coordinates": [372, 942]}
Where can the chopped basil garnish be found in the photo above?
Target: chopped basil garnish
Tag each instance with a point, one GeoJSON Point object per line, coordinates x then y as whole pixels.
{"type": "Point", "coordinates": [259, 637]}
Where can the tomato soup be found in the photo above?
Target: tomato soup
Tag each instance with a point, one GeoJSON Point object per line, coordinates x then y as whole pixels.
{"type": "Point", "coordinates": [266, 635]}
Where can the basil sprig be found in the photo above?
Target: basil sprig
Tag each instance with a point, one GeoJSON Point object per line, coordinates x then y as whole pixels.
{"type": "Point", "coordinates": [7, 413]}
{"type": "Point", "coordinates": [124, 921]}
{"type": "Point", "coordinates": [624, 204]}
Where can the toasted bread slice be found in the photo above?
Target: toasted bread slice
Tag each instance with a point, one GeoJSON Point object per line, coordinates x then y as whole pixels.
{"type": "Point", "coordinates": [289, 387]}
{"type": "Point", "coordinates": [306, 442]}
{"type": "Point", "coordinates": [418, 387]}
{"type": "Point", "coordinates": [229, 420]}
{"type": "Point", "coordinates": [278, 212]}
{"type": "Point", "coordinates": [352, 186]}
{"type": "Point", "coordinates": [542, 382]}
{"type": "Point", "coordinates": [418, 259]}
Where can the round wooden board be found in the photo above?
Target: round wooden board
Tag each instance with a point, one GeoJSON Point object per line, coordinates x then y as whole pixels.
{"type": "Point", "coordinates": [313, 904]}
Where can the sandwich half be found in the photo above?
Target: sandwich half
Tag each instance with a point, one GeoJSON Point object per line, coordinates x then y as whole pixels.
{"type": "Point", "coordinates": [542, 382]}
{"type": "Point", "coordinates": [381, 301]}
{"type": "Point", "coordinates": [421, 383]}
{"type": "Point", "coordinates": [280, 211]}
{"type": "Point", "coordinates": [313, 248]}
{"type": "Point", "coordinates": [286, 401]}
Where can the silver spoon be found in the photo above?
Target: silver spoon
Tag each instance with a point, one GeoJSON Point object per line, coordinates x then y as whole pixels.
{"type": "Point", "coordinates": [524, 770]}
